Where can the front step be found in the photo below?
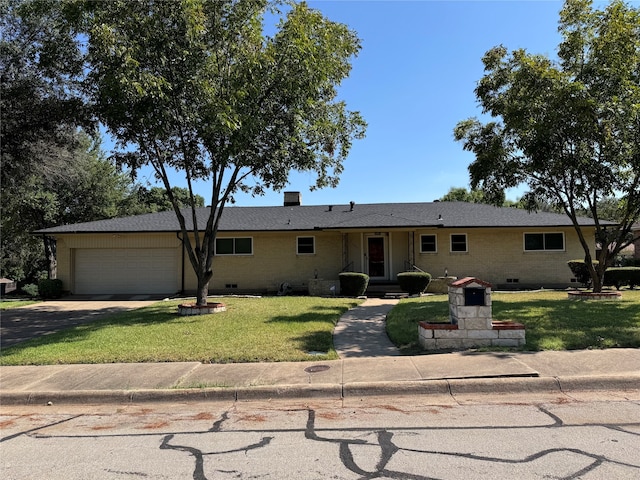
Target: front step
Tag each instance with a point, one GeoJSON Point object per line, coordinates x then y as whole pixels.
{"type": "Point", "coordinates": [385, 290]}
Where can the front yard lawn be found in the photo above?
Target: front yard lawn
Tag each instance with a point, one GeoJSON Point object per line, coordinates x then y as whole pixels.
{"type": "Point", "coordinates": [552, 321]}
{"type": "Point", "coordinates": [268, 329]}
{"type": "Point", "coordinates": [7, 303]}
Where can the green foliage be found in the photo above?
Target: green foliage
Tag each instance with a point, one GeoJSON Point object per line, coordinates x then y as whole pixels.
{"type": "Point", "coordinates": [619, 276]}
{"type": "Point", "coordinates": [631, 262]}
{"type": "Point", "coordinates": [30, 289]}
{"type": "Point", "coordinates": [414, 282]}
{"type": "Point", "coordinates": [580, 271]}
{"type": "Point", "coordinates": [269, 329]}
{"type": "Point", "coordinates": [568, 129]}
{"type": "Point", "coordinates": [353, 284]}
{"type": "Point", "coordinates": [79, 186]}
{"type": "Point", "coordinates": [48, 288]}
{"type": "Point", "coordinates": [199, 88]}
{"type": "Point", "coordinates": [156, 199]}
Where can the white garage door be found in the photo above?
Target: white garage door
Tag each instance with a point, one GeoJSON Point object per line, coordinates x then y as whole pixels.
{"type": "Point", "coordinates": [134, 270]}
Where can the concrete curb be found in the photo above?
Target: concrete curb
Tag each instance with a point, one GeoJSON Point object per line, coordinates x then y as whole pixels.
{"type": "Point", "coordinates": [413, 387]}
{"type": "Point", "coordinates": [504, 385]}
{"type": "Point", "coordinates": [452, 387]}
{"type": "Point", "coordinates": [600, 382]}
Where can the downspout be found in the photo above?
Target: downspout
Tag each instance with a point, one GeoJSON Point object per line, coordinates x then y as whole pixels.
{"type": "Point", "coordinates": [181, 264]}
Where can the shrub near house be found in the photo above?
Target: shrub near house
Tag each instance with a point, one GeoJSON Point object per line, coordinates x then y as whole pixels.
{"type": "Point", "coordinates": [620, 276]}
{"type": "Point", "coordinates": [414, 283]}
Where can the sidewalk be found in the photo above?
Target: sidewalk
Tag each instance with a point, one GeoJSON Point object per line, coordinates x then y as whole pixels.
{"type": "Point", "coordinates": [380, 372]}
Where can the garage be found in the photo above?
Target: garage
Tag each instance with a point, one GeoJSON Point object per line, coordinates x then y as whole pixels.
{"type": "Point", "coordinates": [126, 270]}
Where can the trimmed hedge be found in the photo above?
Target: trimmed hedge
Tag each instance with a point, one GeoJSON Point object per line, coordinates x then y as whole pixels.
{"type": "Point", "coordinates": [50, 288]}
{"type": "Point", "coordinates": [619, 276]}
{"type": "Point", "coordinates": [414, 283]}
{"type": "Point", "coordinates": [353, 284]}
{"type": "Point", "coordinates": [580, 271]}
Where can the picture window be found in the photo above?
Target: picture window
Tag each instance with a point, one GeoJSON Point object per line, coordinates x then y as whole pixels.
{"type": "Point", "coordinates": [234, 246]}
{"type": "Point", "coordinates": [541, 242]}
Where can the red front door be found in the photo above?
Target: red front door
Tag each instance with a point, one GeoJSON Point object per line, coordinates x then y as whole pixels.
{"type": "Point", "coordinates": [376, 257]}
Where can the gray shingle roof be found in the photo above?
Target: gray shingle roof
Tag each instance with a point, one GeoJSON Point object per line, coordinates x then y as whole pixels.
{"type": "Point", "coordinates": [297, 218]}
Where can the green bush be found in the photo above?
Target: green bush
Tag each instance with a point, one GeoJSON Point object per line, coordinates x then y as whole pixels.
{"type": "Point", "coordinates": [50, 288]}
{"type": "Point", "coordinates": [353, 284]}
{"type": "Point", "coordinates": [414, 283]}
{"type": "Point", "coordinates": [580, 271]}
{"type": "Point", "coordinates": [619, 276]}
{"type": "Point", "coordinates": [630, 261]}
{"type": "Point", "coordinates": [30, 289]}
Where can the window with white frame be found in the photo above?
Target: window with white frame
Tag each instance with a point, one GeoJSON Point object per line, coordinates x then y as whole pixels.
{"type": "Point", "coordinates": [459, 242]}
{"type": "Point", "coordinates": [234, 246]}
{"type": "Point", "coordinates": [428, 244]}
{"type": "Point", "coordinates": [306, 245]}
{"type": "Point", "coordinates": [544, 242]}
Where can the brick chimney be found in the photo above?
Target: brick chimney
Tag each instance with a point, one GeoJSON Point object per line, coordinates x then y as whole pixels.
{"type": "Point", "coordinates": [292, 199]}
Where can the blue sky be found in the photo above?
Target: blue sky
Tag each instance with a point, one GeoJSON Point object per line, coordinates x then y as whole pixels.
{"type": "Point", "coordinates": [413, 81]}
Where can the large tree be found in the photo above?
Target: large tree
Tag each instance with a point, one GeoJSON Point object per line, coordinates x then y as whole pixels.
{"type": "Point", "coordinates": [85, 187]}
{"type": "Point", "coordinates": [568, 128]}
{"type": "Point", "coordinates": [41, 69]}
{"type": "Point", "coordinates": [42, 111]}
{"type": "Point", "coordinates": [198, 87]}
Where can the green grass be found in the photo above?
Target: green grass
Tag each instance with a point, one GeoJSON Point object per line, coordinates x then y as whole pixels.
{"type": "Point", "coordinates": [269, 329]}
{"type": "Point", "coordinates": [7, 304]}
{"type": "Point", "coordinates": [552, 321]}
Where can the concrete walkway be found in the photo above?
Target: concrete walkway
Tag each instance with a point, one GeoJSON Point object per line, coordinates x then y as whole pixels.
{"type": "Point", "coordinates": [361, 332]}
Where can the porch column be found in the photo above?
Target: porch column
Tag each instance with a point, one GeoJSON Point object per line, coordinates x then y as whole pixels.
{"type": "Point", "coordinates": [412, 249]}
{"type": "Point", "coordinates": [345, 249]}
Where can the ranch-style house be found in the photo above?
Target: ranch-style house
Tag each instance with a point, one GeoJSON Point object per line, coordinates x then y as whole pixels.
{"type": "Point", "coordinates": [258, 249]}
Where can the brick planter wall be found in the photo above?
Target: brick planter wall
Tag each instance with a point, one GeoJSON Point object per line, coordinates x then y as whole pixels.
{"type": "Point", "coordinates": [192, 309]}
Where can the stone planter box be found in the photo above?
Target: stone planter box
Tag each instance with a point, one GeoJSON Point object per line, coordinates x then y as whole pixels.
{"type": "Point", "coordinates": [193, 309]}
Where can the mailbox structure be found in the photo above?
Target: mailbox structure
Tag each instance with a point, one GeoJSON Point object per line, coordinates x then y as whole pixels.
{"type": "Point", "coordinates": [471, 324]}
{"type": "Point", "coordinates": [470, 304]}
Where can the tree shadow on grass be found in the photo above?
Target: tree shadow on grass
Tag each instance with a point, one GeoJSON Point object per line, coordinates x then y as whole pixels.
{"type": "Point", "coordinates": [40, 329]}
{"type": "Point", "coordinates": [570, 324]}
{"type": "Point", "coordinates": [551, 324]}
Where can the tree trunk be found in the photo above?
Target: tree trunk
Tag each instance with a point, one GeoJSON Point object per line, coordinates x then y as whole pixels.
{"type": "Point", "coordinates": [597, 281]}
{"type": "Point", "coordinates": [50, 255]}
{"type": "Point", "coordinates": [202, 292]}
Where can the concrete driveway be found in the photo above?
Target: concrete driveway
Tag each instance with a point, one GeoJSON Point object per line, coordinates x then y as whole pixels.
{"type": "Point", "coordinates": [31, 321]}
